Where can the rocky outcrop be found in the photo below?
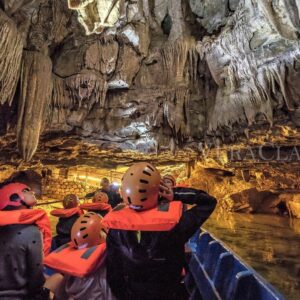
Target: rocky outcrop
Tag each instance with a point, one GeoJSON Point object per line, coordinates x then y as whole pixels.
{"type": "Point", "coordinates": [214, 68]}
{"type": "Point", "coordinates": [164, 80]}
{"type": "Point", "coordinates": [59, 188]}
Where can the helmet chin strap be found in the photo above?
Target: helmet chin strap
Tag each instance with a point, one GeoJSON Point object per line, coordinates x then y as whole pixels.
{"type": "Point", "coordinates": [24, 203]}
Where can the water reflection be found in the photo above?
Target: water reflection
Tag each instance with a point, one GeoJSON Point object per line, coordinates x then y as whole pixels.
{"type": "Point", "coordinates": [270, 244]}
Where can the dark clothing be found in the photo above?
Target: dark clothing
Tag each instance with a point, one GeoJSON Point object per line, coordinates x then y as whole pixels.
{"type": "Point", "coordinates": [101, 213]}
{"type": "Point", "coordinates": [21, 263]}
{"type": "Point", "coordinates": [151, 268]}
{"type": "Point", "coordinates": [63, 230]}
{"type": "Point", "coordinates": [113, 198]}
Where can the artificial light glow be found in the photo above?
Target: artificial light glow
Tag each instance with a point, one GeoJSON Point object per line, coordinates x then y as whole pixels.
{"type": "Point", "coordinates": [96, 15]}
{"type": "Point", "coordinates": [115, 184]}
{"type": "Point", "coordinates": [88, 178]}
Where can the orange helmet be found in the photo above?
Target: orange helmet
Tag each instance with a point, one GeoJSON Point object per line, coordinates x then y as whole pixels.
{"type": "Point", "coordinates": [140, 186]}
{"type": "Point", "coordinates": [88, 231]}
{"type": "Point", "coordinates": [171, 178]}
{"type": "Point", "coordinates": [70, 201]}
{"type": "Point", "coordinates": [100, 197]}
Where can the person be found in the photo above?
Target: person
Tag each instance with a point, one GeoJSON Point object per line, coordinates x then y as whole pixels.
{"type": "Point", "coordinates": [146, 239]}
{"type": "Point", "coordinates": [67, 217]}
{"type": "Point", "coordinates": [82, 262]}
{"type": "Point", "coordinates": [22, 244]}
{"type": "Point", "coordinates": [169, 180]}
{"type": "Point", "coordinates": [115, 194]}
{"type": "Point", "coordinates": [113, 198]}
{"type": "Point", "coordinates": [99, 205]}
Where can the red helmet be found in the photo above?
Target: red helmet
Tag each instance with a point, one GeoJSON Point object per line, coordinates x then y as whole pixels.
{"type": "Point", "coordinates": [12, 194]}
{"type": "Point", "coordinates": [140, 186]}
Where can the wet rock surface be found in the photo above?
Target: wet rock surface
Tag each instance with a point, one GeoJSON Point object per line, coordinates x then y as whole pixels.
{"type": "Point", "coordinates": [167, 81]}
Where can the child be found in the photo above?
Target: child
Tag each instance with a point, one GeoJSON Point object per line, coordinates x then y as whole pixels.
{"type": "Point", "coordinates": [100, 204]}
{"type": "Point", "coordinates": [67, 217]}
{"type": "Point", "coordinates": [22, 244]}
{"type": "Point", "coordinates": [82, 262]}
{"type": "Point", "coordinates": [169, 180]}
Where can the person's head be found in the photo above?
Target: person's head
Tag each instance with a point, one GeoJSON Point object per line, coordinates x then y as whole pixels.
{"type": "Point", "coordinates": [70, 201]}
{"type": "Point", "coordinates": [140, 186]}
{"type": "Point", "coordinates": [15, 195]}
{"type": "Point", "coordinates": [100, 197]}
{"type": "Point", "coordinates": [88, 231]}
{"type": "Point", "coordinates": [104, 183]}
{"type": "Point", "coordinates": [169, 180]}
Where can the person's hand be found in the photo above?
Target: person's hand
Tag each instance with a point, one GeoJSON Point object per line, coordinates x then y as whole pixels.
{"type": "Point", "coordinates": [166, 192]}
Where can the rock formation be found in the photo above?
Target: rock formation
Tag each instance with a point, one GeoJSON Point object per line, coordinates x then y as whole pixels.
{"type": "Point", "coordinates": [161, 77]}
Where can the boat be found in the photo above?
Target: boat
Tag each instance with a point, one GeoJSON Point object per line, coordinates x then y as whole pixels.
{"type": "Point", "coordinates": [217, 273]}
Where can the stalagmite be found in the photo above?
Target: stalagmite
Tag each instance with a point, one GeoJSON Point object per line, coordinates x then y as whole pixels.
{"type": "Point", "coordinates": [35, 95]}
{"type": "Point", "coordinates": [10, 58]}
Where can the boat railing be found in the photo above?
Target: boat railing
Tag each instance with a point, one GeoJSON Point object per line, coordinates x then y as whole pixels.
{"type": "Point", "coordinates": [217, 273]}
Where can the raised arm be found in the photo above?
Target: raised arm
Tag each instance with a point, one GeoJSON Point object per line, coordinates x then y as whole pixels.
{"type": "Point", "coordinates": [193, 218]}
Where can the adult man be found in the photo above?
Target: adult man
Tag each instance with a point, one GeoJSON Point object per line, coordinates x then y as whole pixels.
{"type": "Point", "coordinates": [145, 243]}
{"type": "Point", "coordinates": [113, 198]}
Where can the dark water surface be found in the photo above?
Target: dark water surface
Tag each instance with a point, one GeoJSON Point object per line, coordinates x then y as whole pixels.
{"type": "Point", "coordinates": [269, 244]}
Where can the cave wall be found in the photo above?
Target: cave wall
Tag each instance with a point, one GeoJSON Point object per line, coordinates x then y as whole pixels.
{"type": "Point", "coordinates": [170, 74]}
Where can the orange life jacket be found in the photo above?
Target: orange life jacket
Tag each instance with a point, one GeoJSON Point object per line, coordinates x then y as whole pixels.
{"type": "Point", "coordinates": [30, 216]}
{"type": "Point", "coordinates": [181, 185]}
{"type": "Point", "coordinates": [66, 212]}
{"type": "Point", "coordinates": [76, 262]}
{"type": "Point", "coordinates": [96, 206]}
{"type": "Point", "coordinates": [164, 217]}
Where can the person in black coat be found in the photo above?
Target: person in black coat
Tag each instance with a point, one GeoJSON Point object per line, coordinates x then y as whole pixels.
{"type": "Point", "coordinates": [21, 255]}
{"type": "Point", "coordinates": [114, 197]}
{"type": "Point", "coordinates": [147, 265]}
{"type": "Point", "coordinates": [67, 217]}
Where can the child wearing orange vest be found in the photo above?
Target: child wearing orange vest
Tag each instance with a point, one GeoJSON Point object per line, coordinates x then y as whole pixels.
{"type": "Point", "coordinates": [82, 262]}
{"type": "Point", "coordinates": [67, 217]}
{"type": "Point", "coordinates": [24, 235]}
{"type": "Point", "coordinates": [99, 204]}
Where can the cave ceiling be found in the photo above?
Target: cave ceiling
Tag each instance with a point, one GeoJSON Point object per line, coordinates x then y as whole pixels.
{"type": "Point", "coordinates": [105, 83]}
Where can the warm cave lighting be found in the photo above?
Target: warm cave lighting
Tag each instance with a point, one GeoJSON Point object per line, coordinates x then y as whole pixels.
{"type": "Point", "coordinates": [89, 178]}
{"type": "Point", "coordinates": [96, 15]}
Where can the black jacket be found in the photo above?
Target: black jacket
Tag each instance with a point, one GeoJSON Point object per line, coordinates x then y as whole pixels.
{"type": "Point", "coordinates": [151, 268]}
{"type": "Point", "coordinates": [21, 262]}
{"type": "Point", "coordinates": [63, 230]}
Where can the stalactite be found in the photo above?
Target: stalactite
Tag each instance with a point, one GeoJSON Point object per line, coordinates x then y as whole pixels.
{"type": "Point", "coordinates": [176, 108]}
{"type": "Point", "coordinates": [10, 58]}
{"type": "Point", "coordinates": [250, 82]}
{"type": "Point", "coordinates": [35, 95]}
{"type": "Point", "coordinates": [86, 89]}
{"type": "Point", "coordinates": [174, 57]}
{"type": "Point", "coordinates": [193, 60]}
{"type": "Point", "coordinates": [60, 105]}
